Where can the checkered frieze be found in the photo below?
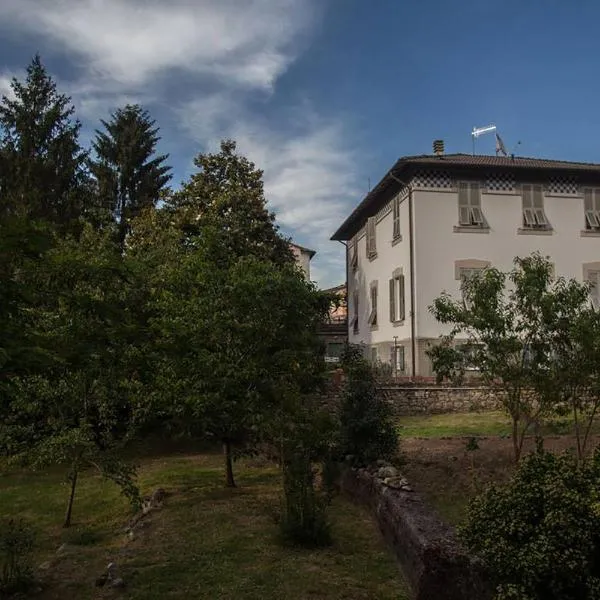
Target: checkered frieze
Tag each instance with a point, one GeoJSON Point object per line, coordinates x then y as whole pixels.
{"type": "Point", "coordinates": [501, 182]}
{"type": "Point", "coordinates": [432, 180]}
{"type": "Point", "coordinates": [562, 185]}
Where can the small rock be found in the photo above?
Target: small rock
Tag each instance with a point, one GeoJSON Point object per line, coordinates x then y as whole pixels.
{"type": "Point", "coordinates": [381, 463]}
{"type": "Point", "coordinates": [62, 549]}
{"type": "Point", "coordinates": [117, 582]}
{"type": "Point", "coordinates": [387, 472]}
{"type": "Point", "coordinates": [396, 483]}
{"type": "Point", "coordinates": [45, 566]}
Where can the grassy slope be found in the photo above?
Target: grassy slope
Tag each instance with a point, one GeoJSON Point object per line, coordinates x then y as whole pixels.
{"type": "Point", "coordinates": [207, 542]}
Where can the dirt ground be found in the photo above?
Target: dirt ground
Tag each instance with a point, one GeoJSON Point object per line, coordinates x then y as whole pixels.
{"type": "Point", "coordinates": [447, 475]}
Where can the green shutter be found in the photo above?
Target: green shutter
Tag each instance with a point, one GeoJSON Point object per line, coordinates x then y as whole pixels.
{"type": "Point", "coordinates": [392, 300]}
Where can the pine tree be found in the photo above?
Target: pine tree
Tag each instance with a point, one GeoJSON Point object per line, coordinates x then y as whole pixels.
{"type": "Point", "coordinates": [43, 171]}
{"type": "Point", "coordinates": [227, 195]}
{"type": "Point", "coordinates": [130, 177]}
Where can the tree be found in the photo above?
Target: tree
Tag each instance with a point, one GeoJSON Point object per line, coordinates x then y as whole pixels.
{"type": "Point", "coordinates": [367, 431]}
{"type": "Point", "coordinates": [43, 173]}
{"type": "Point", "coordinates": [504, 337]}
{"type": "Point", "coordinates": [228, 337]}
{"type": "Point", "coordinates": [129, 174]}
{"type": "Point", "coordinates": [81, 409]}
{"type": "Point", "coordinates": [227, 195]}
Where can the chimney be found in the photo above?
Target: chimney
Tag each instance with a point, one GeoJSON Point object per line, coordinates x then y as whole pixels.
{"type": "Point", "coordinates": [438, 147]}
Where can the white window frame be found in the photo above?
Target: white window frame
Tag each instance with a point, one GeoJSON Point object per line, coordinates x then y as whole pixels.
{"type": "Point", "coordinates": [593, 277]}
{"type": "Point", "coordinates": [466, 348]}
{"type": "Point", "coordinates": [469, 205]}
{"type": "Point", "coordinates": [396, 218]}
{"type": "Point", "coordinates": [373, 295]}
{"type": "Point", "coordinates": [591, 208]}
{"type": "Point", "coordinates": [532, 198]}
{"type": "Point", "coordinates": [397, 298]}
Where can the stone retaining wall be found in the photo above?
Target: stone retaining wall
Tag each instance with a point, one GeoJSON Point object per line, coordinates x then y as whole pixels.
{"type": "Point", "coordinates": [434, 563]}
{"type": "Point", "coordinates": [432, 399]}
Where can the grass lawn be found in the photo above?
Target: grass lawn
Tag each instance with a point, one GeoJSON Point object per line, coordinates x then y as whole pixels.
{"type": "Point", "coordinates": [447, 475]}
{"type": "Point", "coordinates": [206, 542]}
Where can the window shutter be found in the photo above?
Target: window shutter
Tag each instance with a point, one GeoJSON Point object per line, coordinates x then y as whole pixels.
{"type": "Point", "coordinates": [594, 279]}
{"type": "Point", "coordinates": [373, 240]}
{"type": "Point", "coordinates": [527, 196]}
{"type": "Point", "coordinates": [538, 197]}
{"type": "Point", "coordinates": [588, 199]}
{"type": "Point", "coordinates": [463, 203]}
{"type": "Point", "coordinates": [396, 225]}
{"type": "Point", "coordinates": [475, 194]}
{"type": "Point", "coordinates": [392, 300]}
{"type": "Point", "coordinates": [400, 358]}
{"type": "Point", "coordinates": [401, 303]}
{"type": "Point", "coordinates": [464, 215]}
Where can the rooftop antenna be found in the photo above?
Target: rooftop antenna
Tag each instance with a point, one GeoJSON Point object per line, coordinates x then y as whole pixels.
{"type": "Point", "coordinates": [477, 131]}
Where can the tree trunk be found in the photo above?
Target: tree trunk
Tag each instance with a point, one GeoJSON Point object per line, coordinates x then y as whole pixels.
{"type": "Point", "coordinates": [230, 482]}
{"type": "Point", "coordinates": [73, 479]}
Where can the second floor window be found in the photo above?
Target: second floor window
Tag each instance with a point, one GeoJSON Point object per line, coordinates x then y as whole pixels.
{"type": "Point", "coordinates": [591, 201]}
{"type": "Point", "coordinates": [469, 205]}
{"type": "Point", "coordinates": [373, 313]}
{"type": "Point", "coordinates": [594, 279]}
{"type": "Point", "coordinates": [534, 216]}
{"type": "Point", "coordinates": [353, 249]}
{"type": "Point", "coordinates": [397, 297]}
{"type": "Point", "coordinates": [354, 321]}
{"type": "Point", "coordinates": [467, 274]}
{"type": "Point", "coordinates": [371, 240]}
{"type": "Point", "coordinates": [396, 215]}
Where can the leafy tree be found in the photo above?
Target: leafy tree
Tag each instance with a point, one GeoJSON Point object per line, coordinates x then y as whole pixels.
{"type": "Point", "coordinates": [129, 174]}
{"type": "Point", "coordinates": [227, 337]}
{"type": "Point", "coordinates": [539, 536]}
{"type": "Point", "coordinates": [501, 332]}
{"type": "Point", "coordinates": [227, 196]}
{"type": "Point", "coordinates": [43, 173]}
{"type": "Point", "coordinates": [82, 408]}
{"type": "Point", "coordinates": [367, 431]}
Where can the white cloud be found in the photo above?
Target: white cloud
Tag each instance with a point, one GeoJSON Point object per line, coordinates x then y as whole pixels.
{"type": "Point", "coordinates": [309, 175]}
{"type": "Point", "coordinates": [247, 43]}
{"type": "Point", "coordinates": [5, 87]}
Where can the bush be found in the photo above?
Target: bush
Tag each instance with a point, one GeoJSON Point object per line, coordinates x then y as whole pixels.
{"type": "Point", "coordinates": [539, 535]}
{"type": "Point", "coordinates": [367, 431]}
{"type": "Point", "coordinates": [306, 440]}
{"type": "Point", "coordinates": [16, 544]}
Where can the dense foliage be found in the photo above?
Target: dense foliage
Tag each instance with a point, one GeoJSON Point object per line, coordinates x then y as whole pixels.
{"type": "Point", "coordinates": [532, 336]}
{"type": "Point", "coordinates": [367, 432]}
{"type": "Point", "coordinates": [539, 536]}
{"type": "Point", "coordinates": [125, 317]}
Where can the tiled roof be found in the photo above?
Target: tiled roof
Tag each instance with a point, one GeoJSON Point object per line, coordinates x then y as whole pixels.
{"type": "Point", "coordinates": [459, 162]}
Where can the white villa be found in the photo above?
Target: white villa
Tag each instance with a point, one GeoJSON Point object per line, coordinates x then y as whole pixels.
{"type": "Point", "coordinates": [434, 219]}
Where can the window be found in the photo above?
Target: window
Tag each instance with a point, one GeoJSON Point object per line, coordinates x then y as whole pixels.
{"type": "Point", "coordinates": [373, 314]}
{"type": "Point", "coordinates": [469, 205]}
{"type": "Point", "coordinates": [353, 249]}
{"type": "Point", "coordinates": [594, 279]}
{"type": "Point", "coordinates": [334, 351]}
{"type": "Point", "coordinates": [397, 359]}
{"type": "Point", "coordinates": [373, 354]}
{"type": "Point", "coordinates": [396, 215]}
{"type": "Point", "coordinates": [534, 216]}
{"type": "Point", "coordinates": [371, 242]}
{"type": "Point", "coordinates": [591, 202]}
{"type": "Point", "coordinates": [466, 274]}
{"type": "Point", "coordinates": [397, 302]}
{"type": "Point", "coordinates": [354, 321]}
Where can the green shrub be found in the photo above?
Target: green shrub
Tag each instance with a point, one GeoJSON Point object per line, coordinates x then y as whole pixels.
{"type": "Point", "coordinates": [367, 431]}
{"type": "Point", "coordinates": [539, 535]}
{"type": "Point", "coordinates": [16, 544]}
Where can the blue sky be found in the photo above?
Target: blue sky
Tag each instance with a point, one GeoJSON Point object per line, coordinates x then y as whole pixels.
{"type": "Point", "coordinates": [324, 95]}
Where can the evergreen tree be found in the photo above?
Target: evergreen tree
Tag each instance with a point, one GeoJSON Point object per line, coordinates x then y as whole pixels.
{"type": "Point", "coordinates": [43, 166]}
{"type": "Point", "coordinates": [129, 175]}
{"type": "Point", "coordinates": [227, 194]}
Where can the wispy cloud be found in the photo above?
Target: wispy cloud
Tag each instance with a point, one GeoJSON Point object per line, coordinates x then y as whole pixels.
{"type": "Point", "coordinates": [131, 41]}
{"type": "Point", "coordinates": [309, 176]}
{"type": "Point", "coordinates": [5, 85]}
{"type": "Point", "coordinates": [228, 56]}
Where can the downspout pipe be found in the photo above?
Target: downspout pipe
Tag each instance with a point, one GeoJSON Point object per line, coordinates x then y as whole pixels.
{"type": "Point", "coordinates": [411, 268]}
